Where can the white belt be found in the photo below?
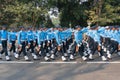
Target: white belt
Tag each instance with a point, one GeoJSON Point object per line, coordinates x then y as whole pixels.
{"type": "Point", "coordinates": [3, 39]}
{"type": "Point", "coordinates": [22, 40]}
{"type": "Point", "coordinates": [12, 40]}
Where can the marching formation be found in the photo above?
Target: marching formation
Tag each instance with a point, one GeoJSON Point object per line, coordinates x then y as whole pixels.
{"type": "Point", "coordinates": [48, 43]}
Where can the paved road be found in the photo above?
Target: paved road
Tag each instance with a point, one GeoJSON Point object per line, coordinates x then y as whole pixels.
{"type": "Point", "coordinates": [83, 71]}
{"type": "Point", "coordinates": [61, 71]}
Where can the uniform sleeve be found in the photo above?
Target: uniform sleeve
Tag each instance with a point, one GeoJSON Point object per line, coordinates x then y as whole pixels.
{"type": "Point", "coordinates": [97, 39]}
{"type": "Point", "coordinates": [35, 35]}
{"type": "Point", "coordinates": [18, 38]}
{"type": "Point", "coordinates": [57, 37]}
{"type": "Point", "coordinates": [45, 36]}
{"type": "Point", "coordinates": [117, 37]}
{"type": "Point", "coordinates": [76, 37]}
{"type": "Point", "coordinates": [38, 39]}
{"type": "Point", "coordinates": [48, 36]}
{"type": "Point", "coordinates": [9, 35]}
{"type": "Point", "coordinates": [0, 38]}
{"type": "Point", "coordinates": [28, 39]}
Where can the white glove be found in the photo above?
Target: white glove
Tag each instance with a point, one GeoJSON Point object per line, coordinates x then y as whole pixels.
{"type": "Point", "coordinates": [48, 41]}
{"type": "Point", "coordinates": [78, 45]}
{"type": "Point", "coordinates": [20, 45]}
{"type": "Point", "coordinates": [39, 45]}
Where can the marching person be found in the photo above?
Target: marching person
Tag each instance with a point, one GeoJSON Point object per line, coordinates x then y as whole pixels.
{"type": "Point", "coordinates": [95, 42]}
{"type": "Point", "coordinates": [105, 34]}
{"type": "Point", "coordinates": [4, 38]}
{"type": "Point", "coordinates": [12, 37]}
{"type": "Point", "coordinates": [31, 42]}
{"type": "Point", "coordinates": [22, 39]}
{"type": "Point", "coordinates": [115, 41]}
{"type": "Point", "coordinates": [79, 45]}
{"type": "Point", "coordinates": [42, 44]}
{"type": "Point", "coordinates": [69, 43]}
{"type": "Point", "coordinates": [51, 43]}
{"type": "Point", "coordinates": [61, 42]}
{"type": "Point", "coordinates": [71, 47]}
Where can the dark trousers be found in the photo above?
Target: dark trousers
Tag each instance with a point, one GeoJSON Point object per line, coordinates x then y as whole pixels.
{"type": "Point", "coordinates": [94, 46]}
{"type": "Point", "coordinates": [72, 47]}
{"type": "Point", "coordinates": [43, 49]}
{"type": "Point", "coordinates": [23, 50]}
{"type": "Point", "coordinates": [96, 49]}
{"type": "Point", "coordinates": [113, 46]}
{"type": "Point", "coordinates": [81, 50]}
{"type": "Point", "coordinates": [91, 45]}
{"type": "Point", "coordinates": [4, 47]}
{"type": "Point", "coordinates": [86, 48]}
{"type": "Point", "coordinates": [107, 43]}
{"type": "Point", "coordinates": [13, 47]}
{"type": "Point", "coordinates": [36, 42]}
{"type": "Point", "coordinates": [31, 46]}
{"type": "Point", "coordinates": [63, 49]}
{"type": "Point", "coordinates": [53, 47]}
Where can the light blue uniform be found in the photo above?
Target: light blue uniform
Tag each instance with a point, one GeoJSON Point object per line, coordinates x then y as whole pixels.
{"type": "Point", "coordinates": [90, 33]}
{"type": "Point", "coordinates": [12, 36]}
{"type": "Point", "coordinates": [58, 37]}
{"type": "Point", "coordinates": [50, 35]}
{"type": "Point", "coordinates": [68, 33]}
{"type": "Point", "coordinates": [97, 37]}
{"type": "Point", "coordinates": [116, 36]}
{"type": "Point", "coordinates": [30, 36]}
{"type": "Point", "coordinates": [94, 35]}
{"type": "Point", "coordinates": [41, 37]}
{"type": "Point", "coordinates": [22, 36]}
{"type": "Point", "coordinates": [3, 35]}
{"type": "Point", "coordinates": [78, 37]}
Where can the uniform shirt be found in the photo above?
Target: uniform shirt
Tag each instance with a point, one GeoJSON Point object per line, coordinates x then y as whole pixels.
{"type": "Point", "coordinates": [97, 37]}
{"type": "Point", "coordinates": [22, 36]}
{"type": "Point", "coordinates": [50, 35]}
{"type": "Point", "coordinates": [78, 37]}
{"type": "Point", "coordinates": [57, 37]}
{"type": "Point", "coordinates": [101, 31]}
{"type": "Point", "coordinates": [35, 33]}
{"type": "Point", "coordinates": [3, 35]}
{"type": "Point", "coordinates": [116, 36]}
{"type": "Point", "coordinates": [12, 36]}
{"type": "Point", "coordinates": [30, 36]}
{"type": "Point", "coordinates": [84, 30]}
{"type": "Point", "coordinates": [41, 37]}
{"type": "Point", "coordinates": [108, 33]}
{"type": "Point", "coordinates": [90, 33]}
{"type": "Point", "coordinates": [68, 33]}
{"type": "Point", "coordinates": [94, 35]}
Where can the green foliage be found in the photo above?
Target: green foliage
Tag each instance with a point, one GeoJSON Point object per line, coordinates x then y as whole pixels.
{"type": "Point", "coordinates": [23, 12]}
{"type": "Point", "coordinates": [26, 12]}
{"type": "Point", "coordinates": [105, 12]}
{"type": "Point", "coordinates": [35, 12]}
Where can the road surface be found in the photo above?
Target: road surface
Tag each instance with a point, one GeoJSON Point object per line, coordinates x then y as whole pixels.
{"type": "Point", "coordinates": [73, 70]}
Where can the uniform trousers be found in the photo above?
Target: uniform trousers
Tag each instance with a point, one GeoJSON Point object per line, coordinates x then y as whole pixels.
{"type": "Point", "coordinates": [4, 47]}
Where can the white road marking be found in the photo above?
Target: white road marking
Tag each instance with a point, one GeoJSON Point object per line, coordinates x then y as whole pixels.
{"type": "Point", "coordinates": [75, 62]}
{"type": "Point", "coordinates": [58, 62]}
{"type": "Point", "coordinates": [94, 62]}
{"type": "Point", "coordinates": [25, 62]}
{"type": "Point", "coordinates": [102, 62]}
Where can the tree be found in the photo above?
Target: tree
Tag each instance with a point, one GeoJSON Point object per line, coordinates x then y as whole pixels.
{"type": "Point", "coordinates": [104, 12]}
{"type": "Point", "coordinates": [74, 12]}
{"type": "Point", "coordinates": [26, 13]}
{"type": "Point", "coordinates": [71, 12]}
